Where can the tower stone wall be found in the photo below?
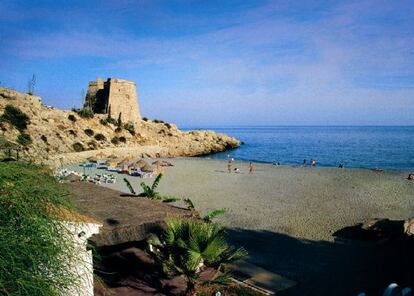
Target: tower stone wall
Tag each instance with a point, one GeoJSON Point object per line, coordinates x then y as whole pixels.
{"type": "Point", "coordinates": [117, 96]}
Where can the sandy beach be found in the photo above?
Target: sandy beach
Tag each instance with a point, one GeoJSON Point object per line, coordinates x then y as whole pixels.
{"type": "Point", "coordinates": [285, 216]}
{"type": "Point", "coordinates": [301, 202]}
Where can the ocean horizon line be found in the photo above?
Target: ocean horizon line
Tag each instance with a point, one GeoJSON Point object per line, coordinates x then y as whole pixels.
{"type": "Point", "coordinates": [267, 126]}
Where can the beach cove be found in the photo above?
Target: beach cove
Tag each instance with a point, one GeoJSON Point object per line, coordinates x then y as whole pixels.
{"type": "Point", "coordinates": [286, 216]}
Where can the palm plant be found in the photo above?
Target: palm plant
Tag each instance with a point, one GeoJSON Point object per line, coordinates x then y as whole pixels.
{"type": "Point", "coordinates": [151, 192]}
{"type": "Point", "coordinates": [188, 246]}
{"type": "Point", "coordinates": [207, 217]}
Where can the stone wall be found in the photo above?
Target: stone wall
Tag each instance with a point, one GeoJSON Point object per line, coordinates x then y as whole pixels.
{"type": "Point", "coordinates": [117, 96]}
{"type": "Point", "coordinates": [123, 100]}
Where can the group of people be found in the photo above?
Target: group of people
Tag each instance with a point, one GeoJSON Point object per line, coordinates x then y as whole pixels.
{"type": "Point", "coordinates": [312, 163]}
{"type": "Point", "coordinates": [230, 160]}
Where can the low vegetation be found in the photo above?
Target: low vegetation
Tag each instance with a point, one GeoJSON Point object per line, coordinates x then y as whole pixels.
{"type": "Point", "coordinates": [122, 139]}
{"type": "Point", "coordinates": [84, 112]}
{"type": "Point", "coordinates": [100, 137]}
{"type": "Point", "coordinates": [129, 126]}
{"type": "Point", "coordinates": [78, 147]}
{"type": "Point", "coordinates": [115, 140]}
{"type": "Point", "coordinates": [24, 139]}
{"type": "Point", "coordinates": [31, 244]}
{"type": "Point", "coordinates": [43, 138]}
{"type": "Point", "coordinates": [89, 132]}
{"type": "Point", "coordinates": [15, 117]}
{"type": "Point", "coordinates": [72, 118]}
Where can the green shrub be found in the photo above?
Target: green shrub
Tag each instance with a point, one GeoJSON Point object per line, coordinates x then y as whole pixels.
{"type": "Point", "coordinates": [78, 147]}
{"type": "Point", "coordinates": [85, 113]}
{"type": "Point", "coordinates": [89, 132]}
{"type": "Point", "coordinates": [129, 126]}
{"type": "Point", "coordinates": [44, 138]}
{"type": "Point", "coordinates": [144, 118]}
{"type": "Point", "coordinates": [167, 125]}
{"type": "Point", "coordinates": [115, 140]}
{"type": "Point", "coordinates": [118, 130]}
{"type": "Point", "coordinates": [103, 121]}
{"type": "Point", "coordinates": [72, 132]}
{"type": "Point", "coordinates": [15, 117]}
{"type": "Point", "coordinates": [100, 137]}
{"type": "Point", "coordinates": [24, 139]}
{"type": "Point", "coordinates": [31, 244]}
{"type": "Point", "coordinates": [122, 139]}
{"type": "Point", "coordinates": [72, 117]}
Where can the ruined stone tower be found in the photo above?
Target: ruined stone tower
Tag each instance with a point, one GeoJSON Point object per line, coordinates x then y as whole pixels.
{"type": "Point", "coordinates": [114, 96]}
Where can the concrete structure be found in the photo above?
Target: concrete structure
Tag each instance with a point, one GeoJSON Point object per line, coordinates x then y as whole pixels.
{"type": "Point", "coordinates": [79, 229]}
{"type": "Point", "coordinates": [115, 97]}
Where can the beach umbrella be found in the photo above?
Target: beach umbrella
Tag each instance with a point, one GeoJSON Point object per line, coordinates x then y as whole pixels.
{"type": "Point", "coordinates": [123, 162]}
{"type": "Point", "coordinates": [147, 168]}
{"type": "Point", "coordinates": [141, 163]}
{"type": "Point", "coordinates": [157, 163]}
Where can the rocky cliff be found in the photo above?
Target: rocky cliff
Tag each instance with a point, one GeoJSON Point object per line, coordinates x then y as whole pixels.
{"type": "Point", "coordinates": [64, 136]}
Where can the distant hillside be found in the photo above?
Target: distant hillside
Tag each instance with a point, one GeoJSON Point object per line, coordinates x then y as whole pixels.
{"type": "Point", "coordinates": [54, 135]}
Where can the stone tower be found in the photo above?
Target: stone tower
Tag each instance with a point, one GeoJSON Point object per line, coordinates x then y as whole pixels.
{"type": "Point", "coordinates": [117, 96]}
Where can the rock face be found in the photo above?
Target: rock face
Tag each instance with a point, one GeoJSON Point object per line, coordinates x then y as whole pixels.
{"type": "Point", "coordinates": [117, 97]}
{"type": "Point", "coordinates": [57, 134]}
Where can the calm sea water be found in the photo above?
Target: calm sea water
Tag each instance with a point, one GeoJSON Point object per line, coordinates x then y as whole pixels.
{"type": "Point", "coordinates": [390, 148]}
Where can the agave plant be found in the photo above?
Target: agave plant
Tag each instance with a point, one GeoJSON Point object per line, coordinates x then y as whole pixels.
{"type": "Point", "coordinates": [151, 192]}
{"type": "Point", "coordinates": [188, 246]}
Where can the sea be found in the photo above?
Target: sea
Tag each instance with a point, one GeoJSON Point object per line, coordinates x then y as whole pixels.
{"type": "Point", "coordinates": [371, 147]}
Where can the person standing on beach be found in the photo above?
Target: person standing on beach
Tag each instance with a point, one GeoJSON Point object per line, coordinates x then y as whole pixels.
{"type": "Point", "coordinates": [229, 163]}
{"type": "Point", "coordinates": [304, 162]}
{"type": "Point", "coordinates": [250, 168]}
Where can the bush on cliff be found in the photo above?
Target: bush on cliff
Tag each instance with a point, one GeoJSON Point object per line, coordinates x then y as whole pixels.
{"type": "Point", "coordinates": [89, 132]}
{"type": "Point", "coordinates": [78, 147]}
{"type": "Point", "coordinates": [85, 113]}
{"type": "Point", "coordinates": [72, 118]}
{"type": "Point", "coordinates": [129, 126]}
{"type": "Point", "coordinates": [15, 117]}
{"type": "Point", "coordinates": [100, 137]}
{"type": "Point", "coordinates": [115, 140]}
{"type": "Point", "coordinates": [24, 139]}
{"type": "Point", "coordinates": [31, 244]}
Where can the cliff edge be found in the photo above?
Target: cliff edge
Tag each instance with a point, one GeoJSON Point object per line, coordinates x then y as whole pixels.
{"type": "Point", "coordinates": [54, 136]}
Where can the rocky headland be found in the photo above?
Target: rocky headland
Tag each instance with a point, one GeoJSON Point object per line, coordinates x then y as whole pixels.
{"type": "Point", "coordinates": [55, 137]}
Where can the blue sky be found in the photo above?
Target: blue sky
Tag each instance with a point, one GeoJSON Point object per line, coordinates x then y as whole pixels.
{"type": "Point", "coordinates": [214, 63]}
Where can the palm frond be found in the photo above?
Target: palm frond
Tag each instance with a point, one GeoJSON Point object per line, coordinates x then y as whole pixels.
{"type": "Point", "coordinates": [131, 189]}
{"type": "Point", "coordinates": [146, 189]}
{"type": "Point", "coordinates": [222, 279]}
{"type": "Point", "coordinates": [213, 214]}
{"type": "Point", "coordinates": [189, 203]}
{"type": "Point", "coordinates": [156, 182]}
